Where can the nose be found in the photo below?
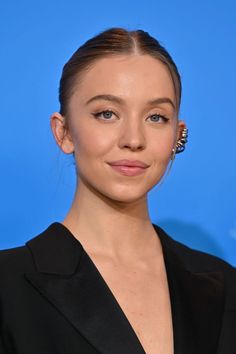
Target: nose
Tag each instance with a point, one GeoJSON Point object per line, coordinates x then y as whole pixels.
{"type": "Point", "coordinates": [132, 135]}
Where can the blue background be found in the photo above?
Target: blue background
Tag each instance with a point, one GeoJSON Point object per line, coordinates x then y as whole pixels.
{"type": "Point", "coordinates": [196, 204]}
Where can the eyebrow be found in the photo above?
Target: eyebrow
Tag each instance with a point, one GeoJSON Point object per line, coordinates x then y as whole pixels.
{"type": "Point", "coordinates": [112, 98]}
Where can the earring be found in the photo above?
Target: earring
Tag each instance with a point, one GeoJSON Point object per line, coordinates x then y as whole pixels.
{"type": "Point", "coordinates": [180, 145]}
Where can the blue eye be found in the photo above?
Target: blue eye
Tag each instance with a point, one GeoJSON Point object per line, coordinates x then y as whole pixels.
{"type": "Point", "coordinates": [105, 114]}
{"type": "Point", "coordinates": [158, 118]}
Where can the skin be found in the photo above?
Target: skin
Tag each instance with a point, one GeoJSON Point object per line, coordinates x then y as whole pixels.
{"type": "Point", "coordinates": [109, 214]}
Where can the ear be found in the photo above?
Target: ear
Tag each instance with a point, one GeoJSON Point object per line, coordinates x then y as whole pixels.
{"type": "Point", "coordinates": [61, 133]}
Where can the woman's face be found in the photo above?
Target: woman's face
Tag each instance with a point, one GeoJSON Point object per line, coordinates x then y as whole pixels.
{"type": "Point", "coordinates": [123, 109]}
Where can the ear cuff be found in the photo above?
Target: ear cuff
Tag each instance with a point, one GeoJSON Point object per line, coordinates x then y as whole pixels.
{"type": "Point", "coordinates": [180, 145]}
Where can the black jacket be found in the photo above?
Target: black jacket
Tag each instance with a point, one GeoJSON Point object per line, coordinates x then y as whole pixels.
{"type": "Point", "coordinates": [53, 300]}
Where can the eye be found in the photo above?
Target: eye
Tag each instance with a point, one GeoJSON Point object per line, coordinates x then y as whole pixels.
{"type": "Point", "coordinates": [106, 115]}
{"type": "Point", "coordinates": [158, 118]}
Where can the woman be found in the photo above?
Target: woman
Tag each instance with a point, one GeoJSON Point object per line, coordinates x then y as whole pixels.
{"type": "Point", "coordinates": [105, 279]}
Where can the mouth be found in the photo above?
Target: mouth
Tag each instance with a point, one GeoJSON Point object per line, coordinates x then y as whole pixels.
{"type": "Point", "coordinates": [125, 169]}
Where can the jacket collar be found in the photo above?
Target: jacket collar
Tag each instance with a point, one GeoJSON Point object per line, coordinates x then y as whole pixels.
{"type": "Point", "coordinates": [82, 295]}
{"type": "Point", "coordinates": [197, 299]}
{"type": "Point", "coordinates": [56, 250]}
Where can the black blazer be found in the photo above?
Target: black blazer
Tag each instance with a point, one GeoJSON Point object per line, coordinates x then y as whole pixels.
{"type": "Point", "coordinates": [54, 300]}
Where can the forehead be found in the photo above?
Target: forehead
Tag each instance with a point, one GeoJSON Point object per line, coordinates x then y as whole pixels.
{"type": "Point", "coordinates": [129, 76]}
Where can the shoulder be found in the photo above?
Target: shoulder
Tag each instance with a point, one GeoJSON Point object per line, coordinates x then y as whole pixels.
{"type": "Point", "coordinates": [14, 264]}
{"type": "Point", "coordinates": [20, 258]}
{"type": "Point", "coordinates": [194, 260]}
{"type": "Point", "coordinates": [15, 260]}
{"type": "Point", "coordinates": [43, 252]}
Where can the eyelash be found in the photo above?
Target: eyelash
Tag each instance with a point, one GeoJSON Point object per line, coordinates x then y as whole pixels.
{"type": "Point", "coordinates": [96, 115]}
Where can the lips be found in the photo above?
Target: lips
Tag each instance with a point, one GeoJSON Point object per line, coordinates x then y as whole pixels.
{"type": "Point", "coordinates": [128, 167]}
{"type": "Point", "coordinates": [129, 163]}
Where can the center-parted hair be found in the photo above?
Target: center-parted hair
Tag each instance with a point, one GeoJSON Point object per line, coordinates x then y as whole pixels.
{"type": "Point", "coordinates": [113, 42]}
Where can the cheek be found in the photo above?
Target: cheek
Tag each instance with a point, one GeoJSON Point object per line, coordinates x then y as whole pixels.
{"type": "Point", "coordinates": [91, 142]}
{"type": "Point", "coordinates": [162, 146]}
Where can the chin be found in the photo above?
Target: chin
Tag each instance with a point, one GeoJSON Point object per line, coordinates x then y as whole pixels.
{"type": "Point", "coordinates": [127, 200]}
{"type": "Point", "coordinates": [127, 195]}
{"type": "Point", "coordinates": [125, 192]}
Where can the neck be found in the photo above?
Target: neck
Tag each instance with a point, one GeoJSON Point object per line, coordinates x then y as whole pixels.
{"type": "Point", "coordinates": [105, 226]}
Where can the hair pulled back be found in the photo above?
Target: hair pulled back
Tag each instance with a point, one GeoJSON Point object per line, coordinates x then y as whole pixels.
{"type": "Point", "coordinates": [113, 42]}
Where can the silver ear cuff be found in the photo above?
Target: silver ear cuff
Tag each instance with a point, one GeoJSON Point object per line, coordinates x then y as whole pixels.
{"type": "Point", "coordinates": [180, 145]}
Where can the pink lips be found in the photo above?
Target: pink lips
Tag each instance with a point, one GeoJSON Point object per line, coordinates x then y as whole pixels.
{"type": "Point", "coordinates": [129, 167]}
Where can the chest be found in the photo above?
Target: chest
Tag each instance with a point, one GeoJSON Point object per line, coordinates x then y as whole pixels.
{"type": "Point", "coordinates": [143, 296]}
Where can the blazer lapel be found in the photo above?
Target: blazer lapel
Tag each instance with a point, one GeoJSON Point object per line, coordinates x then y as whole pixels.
{"type": "Point", "coordinates": [197, 300]}
{"type": "Point", "coordinates": [70, 281]}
